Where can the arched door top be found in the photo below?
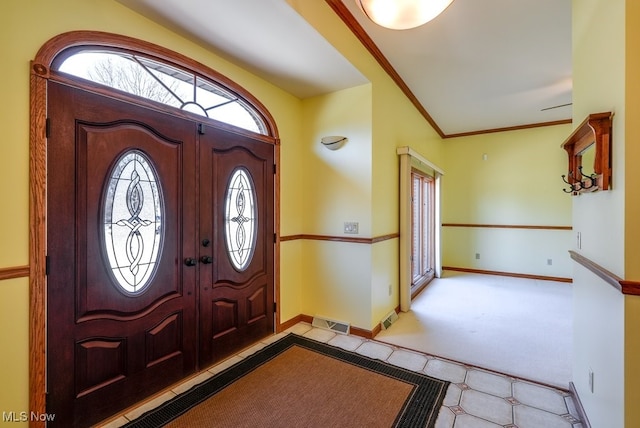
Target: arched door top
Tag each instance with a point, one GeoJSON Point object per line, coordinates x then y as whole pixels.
{"type": "Point", "coordinates": [54, 52]}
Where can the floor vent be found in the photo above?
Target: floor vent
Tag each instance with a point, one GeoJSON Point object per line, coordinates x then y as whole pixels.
{"type": "Point", "coordinates": [337, 326]}
{"type": "Point", "coordinates": [388, 320]}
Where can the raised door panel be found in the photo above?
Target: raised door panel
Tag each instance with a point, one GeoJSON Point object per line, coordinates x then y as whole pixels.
{"type": "Point", "coordinates": [136, 229]}
{"type": "Point", "coordinates": [99, 363]}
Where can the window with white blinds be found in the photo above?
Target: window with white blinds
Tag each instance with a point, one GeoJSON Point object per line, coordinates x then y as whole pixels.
{"type": "Point", "coordinates": [423, 228]}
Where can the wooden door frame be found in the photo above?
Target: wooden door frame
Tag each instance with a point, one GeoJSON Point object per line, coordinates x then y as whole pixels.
{"type": "Point", "coordinates": [40, 74]}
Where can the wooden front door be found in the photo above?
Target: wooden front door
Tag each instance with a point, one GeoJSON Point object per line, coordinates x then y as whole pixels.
{"type": "Point", "coordinates": [127, 277]}
{"type": "Point", "coordinates": [237, 242]}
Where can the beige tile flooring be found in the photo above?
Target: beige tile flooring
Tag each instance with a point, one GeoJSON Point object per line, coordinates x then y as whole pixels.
{"type": "Point", "coordinates": [476, 398]}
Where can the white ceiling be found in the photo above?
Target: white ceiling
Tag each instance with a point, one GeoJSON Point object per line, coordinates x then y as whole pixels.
{"type": "Point", "coordinates": [482, 64]}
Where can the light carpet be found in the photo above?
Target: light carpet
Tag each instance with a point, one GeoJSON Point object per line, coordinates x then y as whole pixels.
{"type": "Point", "coordinates": [516, 326]}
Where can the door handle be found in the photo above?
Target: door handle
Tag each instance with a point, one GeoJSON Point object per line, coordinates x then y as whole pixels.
{"type": "Point", "coordinates": [206, 260]}
{"type": "Point", "coordinates": [190, 261]}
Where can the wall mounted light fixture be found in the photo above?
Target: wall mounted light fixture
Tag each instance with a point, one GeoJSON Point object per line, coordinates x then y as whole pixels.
{"type": "Point", "coordinates": [333, 142]}
{"type": "Point", "coordinates": [402, 14]}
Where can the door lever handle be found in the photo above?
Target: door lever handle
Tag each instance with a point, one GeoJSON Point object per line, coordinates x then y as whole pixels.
{"type": "Point", "coordinates": [206, 260]}
{"type": "Point", "coordinates": [190, 261]}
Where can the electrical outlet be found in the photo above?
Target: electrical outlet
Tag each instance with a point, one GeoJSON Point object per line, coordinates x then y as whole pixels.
{"type": "Point", "coordinates": [390, 291]}
{"type": "Point", "coordinates": [591, 380]}
{"type": "Point", "coordinates": [549, 262]}
{"type": "Point", "coordinates": [477, 256]}
{"type": "Point", "coordinates": [579, 240]}
{"type": "Point", "coordinates": [351, 227]}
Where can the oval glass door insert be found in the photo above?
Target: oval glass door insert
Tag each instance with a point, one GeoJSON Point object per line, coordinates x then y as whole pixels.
{"type": "Point", "coordinates": [241, 221]}
{"type": "Point", "coordinates": [133, 221]}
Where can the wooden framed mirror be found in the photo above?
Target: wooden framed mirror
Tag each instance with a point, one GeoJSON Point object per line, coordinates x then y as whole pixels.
{"type": "Point", "coordinates": [589, 151]}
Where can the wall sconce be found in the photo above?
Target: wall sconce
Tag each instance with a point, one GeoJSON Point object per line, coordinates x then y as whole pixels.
{"type": "Point", "coordinates": [402, 14]}
{"type": "Point", "coordinates": [333, 142]}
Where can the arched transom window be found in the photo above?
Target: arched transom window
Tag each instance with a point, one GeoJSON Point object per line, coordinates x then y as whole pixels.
{"type": "Point", "coordinates": [161, 82]}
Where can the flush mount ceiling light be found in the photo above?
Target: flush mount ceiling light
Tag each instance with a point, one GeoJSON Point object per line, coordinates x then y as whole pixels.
{"type": "Point", "coordinates": [402, 14]}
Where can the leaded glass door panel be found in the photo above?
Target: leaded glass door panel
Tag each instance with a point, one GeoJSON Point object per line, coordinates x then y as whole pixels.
{"type": "Point", "coordinates": [121, 220]}
{"type": "Point", "coordinates": [237, 242]}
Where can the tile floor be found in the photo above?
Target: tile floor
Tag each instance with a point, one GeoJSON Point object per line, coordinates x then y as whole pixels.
{"type": "Point", "coordinates": [476, 398]}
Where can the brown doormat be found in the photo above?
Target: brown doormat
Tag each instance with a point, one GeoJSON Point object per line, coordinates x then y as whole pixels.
{"type": "Point", "coordinates": [297, 382]}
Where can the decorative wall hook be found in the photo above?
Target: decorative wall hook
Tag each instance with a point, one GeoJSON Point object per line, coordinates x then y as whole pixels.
{"type": "Point", "coordinates": [586, 182]}
{"type": "Point", "coordinates": [570, 189]}
{"type": "Point", "coordinates": [591, 140]}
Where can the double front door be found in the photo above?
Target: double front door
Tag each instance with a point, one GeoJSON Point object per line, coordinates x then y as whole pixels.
{"type": "Point", "coordinates": [160, 250]}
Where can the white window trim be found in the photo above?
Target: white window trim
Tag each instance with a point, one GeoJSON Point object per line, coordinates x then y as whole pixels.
{"type": "Point", "coordinates": [406, 154]}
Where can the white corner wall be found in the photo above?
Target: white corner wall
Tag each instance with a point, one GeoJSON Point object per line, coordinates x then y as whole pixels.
{"type": "Point", "coordinates": [599, 309]}
{"type": "Point", "coordinates": [598, 346]}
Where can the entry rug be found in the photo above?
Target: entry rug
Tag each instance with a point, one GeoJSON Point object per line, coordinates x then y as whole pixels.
{"type": "Point", "coordinates": [298, 382]}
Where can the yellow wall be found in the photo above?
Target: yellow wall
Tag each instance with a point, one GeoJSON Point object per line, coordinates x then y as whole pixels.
{"type": "Point", "coordinates": [393, 122]}
{"type": "Point", "coordinates": [517, 184]}
{"type": "Point", "coordinates": [396, 123]}
{"type": "Point", "coordinates": [337, 182]}
{"type": "Point", "coordinates": [632, 350]}
{"type": "Point", "coordinates": [291, 211]}
{"type": "Point", "coordinates": [337, 189]}
{"type": "Point", "coordinates": [385, 274]}
{"type": "Point", "coordinates": [632, 211]}
{"type": "Point", "coordinates": [632, 134]}
{"type": "Point", "coordinates": [337, 281]}
{"type": "Point", "coordinates": [14, 346]}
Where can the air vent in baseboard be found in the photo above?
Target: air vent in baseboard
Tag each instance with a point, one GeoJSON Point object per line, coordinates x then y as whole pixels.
{"type": "Point", "coordinates": [337, 326]}
{"type": "Point", "coordinates": [388, 320]}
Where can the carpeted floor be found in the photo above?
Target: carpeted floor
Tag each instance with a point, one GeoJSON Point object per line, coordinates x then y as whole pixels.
{"type": "Point", "coordinates": [521, 327]}
{"type": "Point", "coordinates": [300, 382]}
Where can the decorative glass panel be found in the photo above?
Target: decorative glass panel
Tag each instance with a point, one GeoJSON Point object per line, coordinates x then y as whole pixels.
{"type": "Point", "coordinates": [163, 83]}
{"type": "Point", "coordinates": [241, 220]}
{"type": "Point", "coordinates": [133, 221]}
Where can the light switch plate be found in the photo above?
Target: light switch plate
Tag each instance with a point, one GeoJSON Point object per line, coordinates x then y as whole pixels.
{"type": "Point", "coordinates": [351, 227]}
